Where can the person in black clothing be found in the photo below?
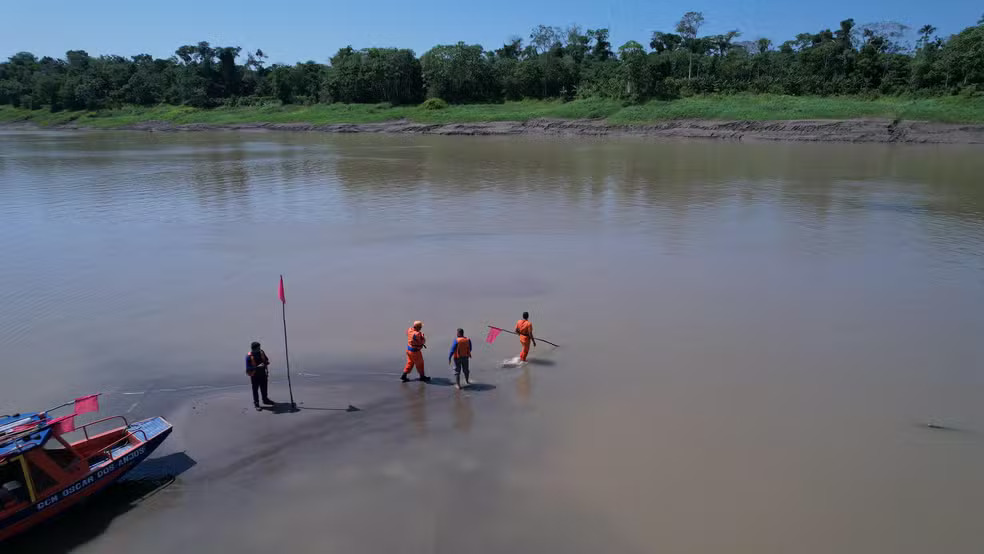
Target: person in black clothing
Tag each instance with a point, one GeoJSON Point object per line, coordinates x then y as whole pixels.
{"type": "Point", "coordinates": [257, 367]}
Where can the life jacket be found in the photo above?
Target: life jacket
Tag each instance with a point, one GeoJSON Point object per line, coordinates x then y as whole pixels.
{"type": "Point", "coordinates": [524, 329]}
{"type": "Point", "coordinates": [462, 348]}
{"type": "Point", "coordinates": [415, 340]}
{"type": "Point", "coordinates": [253, 362]}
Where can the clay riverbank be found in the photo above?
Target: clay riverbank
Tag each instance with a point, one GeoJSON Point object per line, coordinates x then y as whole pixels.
{"type": "Point", "coordinates": [813, 130]}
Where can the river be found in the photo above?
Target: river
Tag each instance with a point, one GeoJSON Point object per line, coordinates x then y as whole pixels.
{"type": "Point", "coordinates": [757, 340]}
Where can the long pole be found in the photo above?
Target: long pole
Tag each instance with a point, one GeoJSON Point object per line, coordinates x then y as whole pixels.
{"type": "Point", "coordinates": [66, 404]}
{"type": "Point", "coordinates": [517, 334]}
{"type": "Point", "coordinates": [283, 311]}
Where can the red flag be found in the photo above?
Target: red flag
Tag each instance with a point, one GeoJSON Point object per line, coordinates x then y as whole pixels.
{"type": "Point", "coordinates": [87, 404]}
{"type": "Point", "coordinates": [65, 424]}
{"type": "Point", "coordinates": [493, 334]}
{"type": "Point", "coordinates": [283, 299]}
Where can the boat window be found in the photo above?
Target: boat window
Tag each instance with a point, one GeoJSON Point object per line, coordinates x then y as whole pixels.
{"type": "Point", "coordinates": [13, 490]}
{"type": "Point", "coordinates": [61, 455]}
{"type": "Point", "coordinates": [42, 481]}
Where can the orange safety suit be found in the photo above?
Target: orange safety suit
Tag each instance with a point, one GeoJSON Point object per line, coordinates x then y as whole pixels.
{"type": "Point", "coordinates": [525, 331]}
{"type": "Point", "coordinates": [415, 341]}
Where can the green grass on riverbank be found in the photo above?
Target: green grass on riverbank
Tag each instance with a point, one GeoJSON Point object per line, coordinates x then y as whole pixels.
{"type": "Point", "coordinates": [738, 107]}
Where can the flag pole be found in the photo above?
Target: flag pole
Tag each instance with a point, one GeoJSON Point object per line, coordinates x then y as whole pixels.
{"type": "Point", "coordinates": [517, 334]}
{"type": "Point", "coordinates": [283, 311]}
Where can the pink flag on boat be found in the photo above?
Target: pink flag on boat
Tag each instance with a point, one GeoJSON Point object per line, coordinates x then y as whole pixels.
{"type": "Point", "coordinates": [493, 334]}
{"type": "Point", "coordinates": [280, 293]}
{"type": "Point", "coordinates": [87, 404]}
{"type": "Point", "coordinates": [65, 424]}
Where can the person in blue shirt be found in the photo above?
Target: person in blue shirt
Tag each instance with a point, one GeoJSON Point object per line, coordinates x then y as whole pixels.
{"type": "Point", "coordinates": [257, 367]}
{"type": "Point", "coordinates": [460, 353]}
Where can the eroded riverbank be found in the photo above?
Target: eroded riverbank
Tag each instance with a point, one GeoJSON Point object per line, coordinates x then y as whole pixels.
{"type": "Point", "coordinates": [812, 130]}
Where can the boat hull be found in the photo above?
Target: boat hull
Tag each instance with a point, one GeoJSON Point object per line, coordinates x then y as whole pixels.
{"type": "Point", "coordinates": [53, 504]}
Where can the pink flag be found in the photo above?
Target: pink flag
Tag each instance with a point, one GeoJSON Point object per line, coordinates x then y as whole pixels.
{"type": "Point", "coordinates": [87, 404]}
{"type": "Point", "coordinates": [283, 299]}
{"type": "Point", "coordinates": [64, 424]}
{"type": "Point", "coordinates": [493, 334]}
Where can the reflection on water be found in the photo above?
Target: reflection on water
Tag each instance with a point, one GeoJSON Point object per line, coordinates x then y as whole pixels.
{"type": "Point", "coordinates": [462, 412]}
{"type": "Point", "coordinates": [524, 386]}
{"type": "Point", "coordinates": [415, 398]}
{"type": "Point", "coordinates": [749, 331]}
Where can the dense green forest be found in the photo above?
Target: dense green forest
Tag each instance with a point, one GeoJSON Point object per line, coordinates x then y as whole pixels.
{"type": "Point", "coordinates": [869, 60]}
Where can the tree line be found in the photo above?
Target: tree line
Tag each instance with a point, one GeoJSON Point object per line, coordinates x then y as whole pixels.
{"type": "Point", "coordinates": [551, 63]}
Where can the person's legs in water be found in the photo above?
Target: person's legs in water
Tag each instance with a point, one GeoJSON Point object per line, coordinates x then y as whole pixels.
{"type": "Point", "coordinates": [264, 385]}
{"type": "Point", "coordinates": [407, 368]}
{"type": "Point", "coordinates": [414, 360]}
{"type": "Point", "coordinates": [418, 362]}
{"type": "Point", "coordinates": [464, 368]}
{"type": "Point", "coordinates": [457, 372]}
{"type": "Point", "coordinates": [254, 382]}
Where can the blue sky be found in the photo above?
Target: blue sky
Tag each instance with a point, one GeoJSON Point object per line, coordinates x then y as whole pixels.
{"type": "Point", "coordinates": [295, 30]}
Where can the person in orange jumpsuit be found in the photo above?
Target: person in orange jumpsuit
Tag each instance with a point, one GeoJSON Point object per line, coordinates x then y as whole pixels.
{"type": "Point", "coordinates": [525, 331]}
{"type": "Point", "coordinates": [415, 342]}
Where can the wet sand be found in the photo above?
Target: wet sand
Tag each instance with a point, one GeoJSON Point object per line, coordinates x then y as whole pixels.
{"type": "Point", "coordinates": [527, 462]}
{"type": "Point", "coordinates": [363, 464]}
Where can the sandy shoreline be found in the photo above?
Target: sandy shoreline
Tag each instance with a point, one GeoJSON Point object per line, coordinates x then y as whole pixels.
{"type": "Point", "coordinates": [849, 130]}
{"type": "Point", "coordinates": [359, 435]}
{"type": "Point", "coordinates": [221, 447]}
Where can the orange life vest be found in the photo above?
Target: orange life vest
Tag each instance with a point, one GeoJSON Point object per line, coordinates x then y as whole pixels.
{"type": "Point", "coordinates": [462, 348]}
{"type": "Point", "coordinates": [415, 340]}
{"type": "Point", "coordinates": [524, 329]}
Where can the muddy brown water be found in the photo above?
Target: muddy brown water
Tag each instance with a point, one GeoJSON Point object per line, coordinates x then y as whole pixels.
{"type": "Point", "coordinates": [757, 339]}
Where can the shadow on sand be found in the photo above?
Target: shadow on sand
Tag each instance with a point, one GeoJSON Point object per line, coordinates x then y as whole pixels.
{"type": "Point", "coordinates": [350, 408]}
{"type": "Point", "coordinates": [89, 519]}
{"type": "Point", "coordinates": [478, 387]}
{"type": "Point", "coordinates": [286, 408]}
{"type": "Point", "coordinates": [474, 387]}
{"type": "Point", "coordinates": [540, 361]}
{"type": "Point", "coordinates": [280, 408]}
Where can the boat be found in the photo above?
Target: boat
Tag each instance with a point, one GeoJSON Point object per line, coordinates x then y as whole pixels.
{"type": "Point", "coordinates": [42, 473]}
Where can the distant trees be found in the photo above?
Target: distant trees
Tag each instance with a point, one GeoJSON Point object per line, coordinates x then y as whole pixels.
{"type": "Point", "coordinates": [553, 63]}
{"type": "Point", "coordinates": [963, 58]}
{"type": "Point", "coordinates": [459, 73]}
{"type": "Point", "coordinates": [688, 28]}
{"type": "Point", "coordinates": [373, 75]}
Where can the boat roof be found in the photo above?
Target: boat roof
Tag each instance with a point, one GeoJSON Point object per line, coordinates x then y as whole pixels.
{"type": "Point", "coordinates": [22, 432]}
